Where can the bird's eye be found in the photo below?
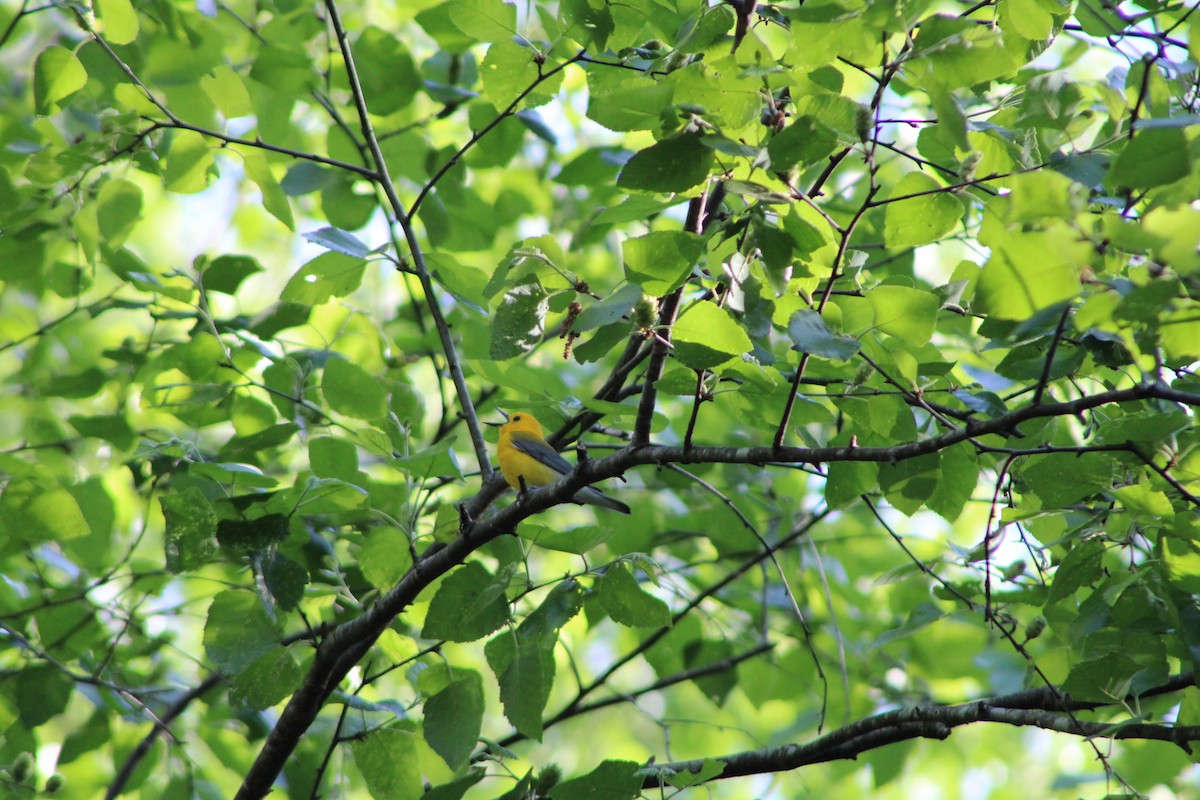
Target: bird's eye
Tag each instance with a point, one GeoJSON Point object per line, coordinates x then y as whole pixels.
{"type": "Point", "coordinates": [517, 418]}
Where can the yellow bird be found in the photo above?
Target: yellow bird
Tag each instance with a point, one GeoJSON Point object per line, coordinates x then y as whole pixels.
{"type": "Point", "coordinates": [527, 459]}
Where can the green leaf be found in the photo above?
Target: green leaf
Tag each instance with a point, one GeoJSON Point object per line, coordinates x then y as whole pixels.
{"type": "Point", "coordinates": [41, 693]}
{"type": "Point", "coordinates": [1101, 680]}
{"type": "Point", "coordinates": [119, 207]}
{"type": "Point", "coordinates": [339, 241]}
{"type": "Point", "coordinates": [386, 70]}
{"type": "Point", "coordinates": [1144, 503]}
{"type": "Point", "coordinates": [574, 540]}
{"type": "Point", "coordinates": [810, 334]}
{"type": "Point", "coordinates": [1028, 18]}
{"type": "Point", "coordinates": [1176, 247]}
{"type": "Point", "coordinates": [326, 276]}
{"type": "Point", "coordinates": [285, 69]}
{"type": "Point", "coordinates": [631, 105]}
{"type": "Point", "coordinates": [100, 511]}
{"type": "Point", "coordinates": [437, 460]}
{"type": "Point", "coordinates": [486, 20]}
{"type": "Point", "coordinates": [246, 447]}
{"type": "Point", "coordinates": [660, 261]}
{"type": "Point", "coordinates": [534, 121]}
{"type": "Point", "coordinates": [802, 143]}
{"type": "Point", "coordinates": [604, 340]}
{"type": "Point", "coordinates": [438, 22]}
{"type": "Point", "coordinates": [909, 483]}
{"type": "Point", "coordinates": [228, 92]}
{"type": "Point", "coordinates": [627, 603]}
{"type": "Point", "coordinates": [610, 309]}
{"type": "Point", "coordinates": [593, 167]}
{"type": "Point", "coordinates": [958, 52]}
{"type": "Point", "coordinates": [57, 74]}
{"type": "Point", "coordinates": [238, 631]}
{"type": "Point", "coordinates": [276, 318]}
{"type": "Point", "coordinates": [988, 403]}
{"type": "Point", "coordinates": [389, 761]}
{"type": "Point", "coordinates": [706, 336]}
{"type": "Point", "coordinates": [305, 177]}
{"type": "Point", "coordinates": [251, 536]}
{"type": "Point", "coordinates": [386, 557]}
{"type": "Point", "coordinates": [958, 474]}
{"type": "Point", "coordinates": [109, 427]}
{"type": "Point", "coordinates": [454, 718]}
{"type": "Point", "coordinates": [275, 201]}
{"type": "Point", "coordinates": [1036, 196]}
{"type": "Point", "coordinates": [672, 165]}
{"type": "Point", "coordinates": [524, 668]}
{"type": "Point", "coordinates": [465, 282]}
{"type": "Point", "coordinates": [1061, 479]}
{"type": "Point", "coordinates": [40, 511]}
{"type": "Point", "coordinates": [333, 458]}
{"type": "Point", "coordinates": [908, 314]}
{"type": "Point", "coordinates": [120, 20]}
{"type": "Point", "coordinates": [509, 69]}
{"type": "Point", "coordinates": [523, 660]}
{"type": "Point", "coordinates": [188, 163]}
{"type": "Point", "coordinates": [1029, 271]}
{"type": "Point", "coordinates": [1098, 18]}
{"type": "Point", "coordinates": [698, 34]}
{"type": "Point", "coordinates": [612, 780]}
{"type": "Point", "coordinates": [922, 219]}
{"type": "Point", "coordinates": [559, 608]}
{"type": "Point", "coordinates": [351, 390]}
{"type": "Point", "coordinates": [251, 416]}
{"type": "Point", "coordinates": [329, 496]}
{"type": "Point", "coordinates": [710, 769]}
{"type": "Point", "coordinates": [587, 23]}
{"type": "Point", "coordinates": [1153, 157]}
{"type": "Point", "coordinates": [808, 231]}
{"type": "Point", "coordinates": [849, 480]}
{"type": "Point", "coordinates": [1081, 567]}
{"type": "Point", "coordinates": [77, 385]}
{"type": "Point", "coordinates": [519, 321]}
{"type": "Point", "coordinates": [69, 630]}
{"type": "Point", "coordinates": [455, 789]}
{"type": "Point", "coordinates": [755, 191]}
{"type": "Point", "coordinates": [270, 679]}
{"type": "Point", "coordinates": [470, 604]}
{"type": "Point", "coordinates": [1148, 429]}
{"type": "Point", "coordinates": [226, 273]}
{"type": "Point", "coordinates": [283, 582]}
{"type": "Point", "coordinates": [718, 92]}
{"type": "Point", "coordinates": [91, 736]}
{"type": "Point", "coordinates": [191, 529]}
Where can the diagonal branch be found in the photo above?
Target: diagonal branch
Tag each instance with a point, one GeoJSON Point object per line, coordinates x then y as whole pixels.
{"type": "Point", "coordinates": [453, 364]}
{"type": "Point", "coordinates": [508, 111]}
{"type": "Point", "coordinates": [117, 787]}
{"type": "Point", "coordinates": [660, 349]}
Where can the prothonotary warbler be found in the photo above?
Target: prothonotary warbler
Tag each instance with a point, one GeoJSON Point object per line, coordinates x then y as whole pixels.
{"type": "Point", "coordinates": [527, 459]}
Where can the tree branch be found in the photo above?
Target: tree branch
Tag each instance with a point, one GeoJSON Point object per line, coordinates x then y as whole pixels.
{"type": "Point", "coordinates": [160, 726]}
{"type": "Point", "coordinates": [933, 722]}
{"type": "Point", "coordinates": [449, 350]}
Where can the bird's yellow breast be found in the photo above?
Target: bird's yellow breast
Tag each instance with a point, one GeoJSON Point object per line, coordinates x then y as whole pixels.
{"type": "Point", "coordinates": [517, 465]}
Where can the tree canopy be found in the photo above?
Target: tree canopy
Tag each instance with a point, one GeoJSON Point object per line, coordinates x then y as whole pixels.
{"type": "Point", "coordinates": [884, 313]}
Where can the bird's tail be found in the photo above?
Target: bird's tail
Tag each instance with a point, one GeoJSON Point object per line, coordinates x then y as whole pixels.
{"type": "Point", "coordinates": [595, 497]}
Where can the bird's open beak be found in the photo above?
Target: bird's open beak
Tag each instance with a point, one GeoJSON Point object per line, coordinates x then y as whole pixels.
{"type": "Point", "coordinates": [501, 412]}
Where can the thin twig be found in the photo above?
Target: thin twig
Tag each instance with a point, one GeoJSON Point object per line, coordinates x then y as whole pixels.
{"type": "Point", "coordinates": [403, 219]}
{"type": "Point", "coordinates": [117, 787]}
